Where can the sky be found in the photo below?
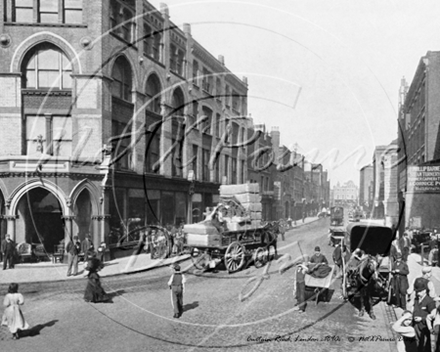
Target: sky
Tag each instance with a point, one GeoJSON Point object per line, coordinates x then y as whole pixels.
{"type": "Point", "coordinates": [327, 73]}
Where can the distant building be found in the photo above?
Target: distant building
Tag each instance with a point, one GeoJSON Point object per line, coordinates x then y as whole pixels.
{"type": "Point", "coordinates": [366, 183]}
{"type": "Point", "coordinates": [378, 211]}
{"type": "Point", "coordinates": [346, 194]}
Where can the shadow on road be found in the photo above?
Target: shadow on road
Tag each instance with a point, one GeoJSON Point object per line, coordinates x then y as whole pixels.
{"type": "Point", "coordinates": [35, 330]}
{"type": "Point", "coordinates": [190, 306]}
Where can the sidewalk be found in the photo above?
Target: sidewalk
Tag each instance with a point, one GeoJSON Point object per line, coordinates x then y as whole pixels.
{"type": "Point", "coordinates": [47, 271]}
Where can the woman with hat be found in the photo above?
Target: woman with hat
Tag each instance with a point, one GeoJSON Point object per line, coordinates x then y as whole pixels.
{"type": "Point", "coordinates": [423, 305]}
{"type": "Point", "coordinates": [400, 284]}
{"type": "Point", "coordinates": [94, 291]}
{"type": "Point", "coordinates": [176, 283]}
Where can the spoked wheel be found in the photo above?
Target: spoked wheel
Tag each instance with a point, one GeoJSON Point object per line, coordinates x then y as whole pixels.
{"type": "Point", "coordinates": [200, 259]}
{"type": "Point", "coordinates": [260, 257]}
{"type": "Point", "coordinates": [234, 257]}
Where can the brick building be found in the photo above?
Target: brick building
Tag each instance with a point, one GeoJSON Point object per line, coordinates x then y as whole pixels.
{"type": "Point", "coordinates": [419, 142]}
{"type": "Point", "coordinates": [110, 115]}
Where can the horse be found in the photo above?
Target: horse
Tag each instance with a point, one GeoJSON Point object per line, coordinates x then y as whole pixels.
{"type": "Point", "coordinates": [362, 283]}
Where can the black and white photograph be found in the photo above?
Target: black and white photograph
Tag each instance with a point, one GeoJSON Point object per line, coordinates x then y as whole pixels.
{"type": "Point", "coordinates": [219, 175]}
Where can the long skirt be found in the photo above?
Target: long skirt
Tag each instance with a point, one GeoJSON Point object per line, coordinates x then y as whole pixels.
{"type": "Point", "coordinates": [13, 318]}
{"type": "Point", "coordinates": [94, 291]}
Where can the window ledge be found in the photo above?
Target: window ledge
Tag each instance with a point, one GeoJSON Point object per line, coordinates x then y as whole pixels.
{"type": "Point", "coordinates": [34, 24]}
{"type": "Point", "coordinates": [177, 75]}
{"type": "Point", "coordinates": [151, 58]}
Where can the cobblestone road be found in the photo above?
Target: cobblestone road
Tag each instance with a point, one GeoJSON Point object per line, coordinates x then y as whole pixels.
{"type": "Point", "coordinates": [140, 319]}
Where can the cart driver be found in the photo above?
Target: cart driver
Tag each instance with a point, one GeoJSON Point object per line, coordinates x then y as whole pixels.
{"type": "Point", "coordinates": [318, 257]}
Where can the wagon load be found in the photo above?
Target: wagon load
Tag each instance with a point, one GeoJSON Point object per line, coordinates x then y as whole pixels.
{"type": "Point", "coordinates": [232, 231]}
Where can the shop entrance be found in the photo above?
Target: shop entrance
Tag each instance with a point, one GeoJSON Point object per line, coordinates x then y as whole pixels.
{"type": "Point", "coordinates": [39, 219]}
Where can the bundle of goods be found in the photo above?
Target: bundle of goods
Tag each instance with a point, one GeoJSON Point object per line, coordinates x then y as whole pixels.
{"type": "Point", "coordinates": [244, 202]}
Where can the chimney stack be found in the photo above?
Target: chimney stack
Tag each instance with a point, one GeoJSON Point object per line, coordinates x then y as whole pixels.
{"type": "Point", "coordinates": [221, 58]}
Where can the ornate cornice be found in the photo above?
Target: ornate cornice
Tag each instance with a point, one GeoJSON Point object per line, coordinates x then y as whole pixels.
{"type": "Point", "coordinates": [101, 217]}
{"type": "Point", "coordinates": [49, 174]}
{"type": "Point", "coordinates": [56, 93]}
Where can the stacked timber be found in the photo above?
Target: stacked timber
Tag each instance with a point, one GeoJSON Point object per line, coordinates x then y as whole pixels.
{"type": "Point", "coordinates": [249, 200]}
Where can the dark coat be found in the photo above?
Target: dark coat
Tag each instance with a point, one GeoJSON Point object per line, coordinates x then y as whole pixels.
{"type": "Point", "coordinates": [400, 279]}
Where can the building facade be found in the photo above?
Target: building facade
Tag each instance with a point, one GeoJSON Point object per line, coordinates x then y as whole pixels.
{"type": "Point", "coordinates": [345, 194]}
{"type": "Point", "coordinates": [419, 143]}
{"type": "Point", "coordinates": [111, 115]}
{"type": "Point", "coordinates": [366, 187]}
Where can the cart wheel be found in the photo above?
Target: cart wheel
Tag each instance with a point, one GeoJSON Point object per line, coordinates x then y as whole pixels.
{"type": "Point", "coordinates": [234, 257]}
{"type": "Point", "coordinates": [200, 259]}
{"type": "Point", "coordinates": [259, 257]}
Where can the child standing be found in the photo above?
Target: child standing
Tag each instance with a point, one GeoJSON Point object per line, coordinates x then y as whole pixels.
{"type": "Point", "coordinates": [13, 317]}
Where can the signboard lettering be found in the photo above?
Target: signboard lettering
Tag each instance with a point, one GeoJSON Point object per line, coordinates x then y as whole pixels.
{"type": "Point", "coordinates": [423, 179]}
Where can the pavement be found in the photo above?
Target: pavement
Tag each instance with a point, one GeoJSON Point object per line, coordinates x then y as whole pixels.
{"type": "Point", "coordinates": [48, 271]}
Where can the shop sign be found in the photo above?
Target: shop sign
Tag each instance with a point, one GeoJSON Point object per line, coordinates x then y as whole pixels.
{"type": "Point", "coordinates": [423, 179]}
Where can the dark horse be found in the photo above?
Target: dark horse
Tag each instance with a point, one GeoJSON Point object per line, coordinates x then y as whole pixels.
{"type": "Point", "coordinates": [271, 235]}
{"type": "Point", "coordinates": [362, 282]}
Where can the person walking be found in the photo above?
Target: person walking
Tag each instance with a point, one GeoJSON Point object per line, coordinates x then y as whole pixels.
{"type": "Point", "coordinates": [423, 306]}
{"type": "Point", "coordinates": [86, 246]}
{"type": "Point", "coordinates": [94, 292]}
{"type": "Point", "coordinates": [73, 249]}
{"type": "Point", "coordinates": [300, 286]}
{"type": "Point", "coordinates": [8, 251]}
{"type": "Point", "coordinates": [13, 317]}
{"type": "Point", "coordinates": [400, 284]}
{"type": "Point", "coordinates": [426, 274]}
{"type": "Point", "coordinates": [176, 283]}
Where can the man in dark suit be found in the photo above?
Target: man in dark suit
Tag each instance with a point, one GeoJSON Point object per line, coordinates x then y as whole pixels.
{"type": "Point", "coordinates": [73, 248]}
{"type": "Point", "coordinates": [8, 251]}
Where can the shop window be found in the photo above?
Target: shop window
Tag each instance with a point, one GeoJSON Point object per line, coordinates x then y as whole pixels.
{"type": "Point", "coordinates": [48, 134]}
{"type": "Point", "coordinates": [47, 68]}
{"type": "Point", "coordinates": [122, 80]}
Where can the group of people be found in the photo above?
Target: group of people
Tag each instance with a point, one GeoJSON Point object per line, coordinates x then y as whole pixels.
{"type": "Point", "coordinates": [75, 248]}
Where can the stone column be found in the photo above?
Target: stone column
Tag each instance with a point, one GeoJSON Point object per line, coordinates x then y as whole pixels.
{"type": "Point", "coordinates": [11, 225]}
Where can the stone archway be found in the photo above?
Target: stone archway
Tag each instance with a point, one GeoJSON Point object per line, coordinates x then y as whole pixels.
{"type": "Point", "coordinates": [39, 219]}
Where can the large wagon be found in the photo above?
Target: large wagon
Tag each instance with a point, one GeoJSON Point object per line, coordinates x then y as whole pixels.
{"type": "Point", "coordinates": [232, 232]}
{"type": "Point", "coordinates": [375, 241]}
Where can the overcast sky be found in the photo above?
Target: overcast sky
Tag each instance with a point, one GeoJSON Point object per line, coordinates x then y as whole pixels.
{"type": "Point", "coordinates": [327, 72]}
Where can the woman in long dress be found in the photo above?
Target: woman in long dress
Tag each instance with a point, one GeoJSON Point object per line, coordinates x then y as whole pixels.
{"type": "Point", "coordinates": [94, 291]}
{"type": "Point", "coordinates": [13, 317]}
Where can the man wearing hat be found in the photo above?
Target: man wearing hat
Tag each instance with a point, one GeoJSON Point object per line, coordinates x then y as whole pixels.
{"type": "Point", "coordinates": [318, 258]}
{"type": "Point", "coordinates": [423, 305]}
{"type": "Point", "coordinates": [400, 284]}
{"type": "Point", "coordinates": [176, 283]}
{"type": "Point", "coordinates": [8, 251]}
{"type": "Point", "coordinates": [426, 274]}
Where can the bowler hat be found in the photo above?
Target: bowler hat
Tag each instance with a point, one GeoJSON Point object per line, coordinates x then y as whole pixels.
{"type": "Point", "coordinates": [317, 249]}
{"type": "Point", "coordinates": [176, 267]}
{"type": "Point", "coordinates": [420, 284]}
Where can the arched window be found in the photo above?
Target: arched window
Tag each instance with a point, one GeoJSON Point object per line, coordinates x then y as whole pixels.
{"type": "Point", "coordinates": [122, 82]}
{"type": "Point", "coordinates": [46, 67]}
{"type": "Point", "coordinates": [153, 90]}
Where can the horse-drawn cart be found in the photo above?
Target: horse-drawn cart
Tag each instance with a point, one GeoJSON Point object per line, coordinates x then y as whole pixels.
{"type": "Point", "coordinates": [319, 286]}
{"type": "Point", "coordinates": [232, 233]}
{"type": "Point", "coordinates": [367, 274]}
